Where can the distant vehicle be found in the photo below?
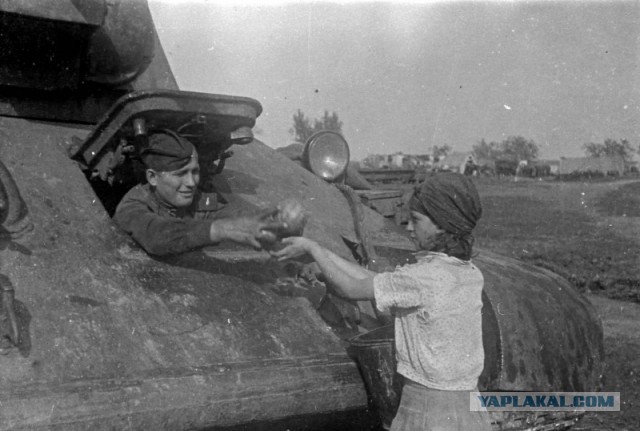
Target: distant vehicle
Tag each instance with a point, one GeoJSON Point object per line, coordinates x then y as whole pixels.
{"type": "Point", "coordinates": [388, 175]}
{"type": "Point", "coordinates": [96, 334]}
{"type": "Point", "coordinates": [506, 167]}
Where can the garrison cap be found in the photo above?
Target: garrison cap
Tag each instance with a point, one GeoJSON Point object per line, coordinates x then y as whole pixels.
{"type": "Point", "coordinates": [167, 151]}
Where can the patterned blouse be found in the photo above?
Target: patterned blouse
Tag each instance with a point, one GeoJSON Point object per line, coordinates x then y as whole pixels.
{"type": "Point", "coordinates": [437, 306]}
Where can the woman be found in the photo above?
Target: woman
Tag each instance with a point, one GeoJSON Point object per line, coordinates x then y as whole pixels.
{"type": "Point", "coordinates": [436, 303]}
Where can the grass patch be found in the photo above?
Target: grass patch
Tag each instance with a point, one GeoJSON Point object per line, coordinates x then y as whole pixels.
{"type": "Point", "coordinates": [560, 226]}
{"type": "Point", "coordinates": [623, 202]}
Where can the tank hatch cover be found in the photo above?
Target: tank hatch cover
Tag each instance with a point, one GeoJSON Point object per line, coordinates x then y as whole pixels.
{"type": "Point", "coordinates": [219, 115]}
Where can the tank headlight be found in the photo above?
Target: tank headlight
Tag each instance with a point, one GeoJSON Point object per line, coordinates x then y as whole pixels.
{"type": "Point", "coordinates": [326, 154]}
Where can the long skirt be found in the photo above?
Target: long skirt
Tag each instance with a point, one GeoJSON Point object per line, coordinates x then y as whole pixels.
{"type": "Point", "coordinates": [423, 408]}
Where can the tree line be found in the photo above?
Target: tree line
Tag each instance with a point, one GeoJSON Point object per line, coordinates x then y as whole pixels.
{"type": "Point", "coordinates": [513, 148]}
{"type": "Point", "coordinates": [303, 127]}
{"type": "Point", "coordinates": [516, 148]}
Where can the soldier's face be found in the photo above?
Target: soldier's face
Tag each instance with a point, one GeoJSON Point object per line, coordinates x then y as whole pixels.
{"type": "Point", "coordinates": [177, 188]}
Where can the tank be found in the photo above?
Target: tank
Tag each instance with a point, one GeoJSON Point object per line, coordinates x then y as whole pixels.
{"type": "Point", "coordinates": [96, 334]}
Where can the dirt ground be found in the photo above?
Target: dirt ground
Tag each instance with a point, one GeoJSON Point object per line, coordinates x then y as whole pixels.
{"type": "Point", "coordinates": [588, 232]}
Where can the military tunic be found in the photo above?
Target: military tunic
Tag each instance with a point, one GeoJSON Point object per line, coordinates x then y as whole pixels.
{"type": "Point", "coordinates": [159, 228]}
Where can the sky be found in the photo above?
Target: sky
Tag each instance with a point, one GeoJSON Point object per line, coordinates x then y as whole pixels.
{"type": "Point", "coordinates": [405, 76]}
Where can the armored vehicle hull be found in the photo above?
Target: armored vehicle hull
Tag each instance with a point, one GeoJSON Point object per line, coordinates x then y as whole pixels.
{"type": "Point", "coordinates": [96, 334]}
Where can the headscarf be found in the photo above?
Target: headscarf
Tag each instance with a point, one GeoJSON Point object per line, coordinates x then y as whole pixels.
{"type": "Point", "coordinates": [167, 151]}
{"type": "Point", "coordinates": [450, 200]}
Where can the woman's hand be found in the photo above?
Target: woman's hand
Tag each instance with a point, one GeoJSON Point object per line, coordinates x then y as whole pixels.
{"type": "Point", "coordinates": [294, 246]}
{"type": "Point", "coordinates": [349, 279]}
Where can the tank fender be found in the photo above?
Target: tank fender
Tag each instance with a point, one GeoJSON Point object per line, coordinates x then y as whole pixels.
{"type": "Point", "coordinates": [546, 336]}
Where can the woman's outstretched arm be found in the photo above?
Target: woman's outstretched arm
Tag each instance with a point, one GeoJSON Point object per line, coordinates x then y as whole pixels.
{"type": "Point", "coordinates": [349, 279]}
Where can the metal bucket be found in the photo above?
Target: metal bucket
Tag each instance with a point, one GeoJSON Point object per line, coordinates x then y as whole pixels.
{"type": "Point", "coordinates": [375, 353]}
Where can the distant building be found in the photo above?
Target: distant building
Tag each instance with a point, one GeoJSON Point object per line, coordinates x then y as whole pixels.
{"type": "Point", "coordinates": [395, 161]}
{"type": "Point", "coordinates": [554, 165]}
{"type": "Point", "coordinates": [605, 165]}
{"type": "Point", "coordinates": [413, 161]}
{"type": "Point", "coordinates": [376, 161]}
{"type": "Point", "coordinates": [454, 161]}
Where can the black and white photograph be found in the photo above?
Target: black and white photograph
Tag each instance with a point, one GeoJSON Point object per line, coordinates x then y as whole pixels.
{"type": "Point", "coordinates": [310, 215]}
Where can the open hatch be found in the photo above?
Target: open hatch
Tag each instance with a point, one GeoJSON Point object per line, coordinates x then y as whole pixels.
{"type": "Point", "coordinates": [109, 156]}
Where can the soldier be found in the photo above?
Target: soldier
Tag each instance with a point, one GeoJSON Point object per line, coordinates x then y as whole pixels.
{"type": "Point", "coordinates": [160, 215]}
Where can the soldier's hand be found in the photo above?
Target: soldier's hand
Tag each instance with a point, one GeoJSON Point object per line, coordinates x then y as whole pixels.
{"type": "Point", "coordinates": [270, 228]}
{"type": "Point", "coordinates": [287, 219]}
{"type": "Point", "coordinates": [256, 231]}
